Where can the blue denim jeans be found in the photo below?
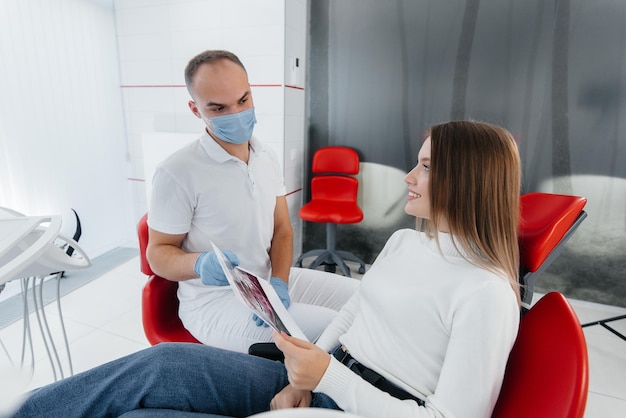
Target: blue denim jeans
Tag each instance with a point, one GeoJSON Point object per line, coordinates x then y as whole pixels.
{"type": "Point", "coordinates": [195, 379]}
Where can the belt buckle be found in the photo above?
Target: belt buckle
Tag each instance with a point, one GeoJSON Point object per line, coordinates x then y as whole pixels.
{"type": "Point", "coordinates": [342, 354]}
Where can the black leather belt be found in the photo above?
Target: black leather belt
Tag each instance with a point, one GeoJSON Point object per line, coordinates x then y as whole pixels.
{"type": "Point", "coordinates": [369, 375]}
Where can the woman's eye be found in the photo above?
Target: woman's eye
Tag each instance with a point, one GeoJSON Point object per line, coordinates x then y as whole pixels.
{"type": "Point", "coordinates": [426, 168]}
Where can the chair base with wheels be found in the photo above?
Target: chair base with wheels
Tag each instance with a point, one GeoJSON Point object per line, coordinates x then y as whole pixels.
{"type": "Point", "coordinates": [331, 257]}
{"type": "Point", "coordinates": [603, 323]}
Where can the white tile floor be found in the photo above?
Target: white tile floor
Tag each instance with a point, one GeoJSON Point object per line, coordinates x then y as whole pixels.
{"type": "Point", "coordinates": [103, 322]}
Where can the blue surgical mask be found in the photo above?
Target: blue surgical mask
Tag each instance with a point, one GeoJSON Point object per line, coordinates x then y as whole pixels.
{"type": "Point", "coordinates": [235, 128]}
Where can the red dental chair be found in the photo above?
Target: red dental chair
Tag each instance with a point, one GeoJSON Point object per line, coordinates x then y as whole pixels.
{"type": "Point", "coordinates": [547, 374]}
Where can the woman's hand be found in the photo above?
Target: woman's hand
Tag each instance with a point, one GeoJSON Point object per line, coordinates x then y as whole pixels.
{"type": "Point", "coordinates": [291, 398]}
{"type": "Point", "coordinates": [305, 362]}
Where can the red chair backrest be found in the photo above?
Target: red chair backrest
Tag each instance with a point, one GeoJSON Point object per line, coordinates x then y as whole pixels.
{"type": "Point", "coordinates": [545, 219]}
{"type": "Point", "coordinates": [142, 233]}
{"type": "Point", "coordinates": [159, 312]}
{"type": "Point", "coordinates": [159, 302]}
{"type": "Point", "coordinates": [335, 159]}
{"type": "Point", "coordinates": [547, 374]}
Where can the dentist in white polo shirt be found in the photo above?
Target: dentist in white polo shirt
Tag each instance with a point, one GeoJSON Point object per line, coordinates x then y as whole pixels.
{"type": "Point", "coordinates": [226, 187]}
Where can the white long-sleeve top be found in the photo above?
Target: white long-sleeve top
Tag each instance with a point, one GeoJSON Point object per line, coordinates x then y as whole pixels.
{"type": "Point", "coordinates": [428, 321]}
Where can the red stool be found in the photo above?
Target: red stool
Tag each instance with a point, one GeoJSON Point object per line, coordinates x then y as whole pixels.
{"type": "Point", "coordinates": [333, 201]}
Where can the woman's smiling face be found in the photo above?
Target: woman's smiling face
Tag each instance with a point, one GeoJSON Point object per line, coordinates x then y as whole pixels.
{"type": "Point", "coordinates": [418, 181]}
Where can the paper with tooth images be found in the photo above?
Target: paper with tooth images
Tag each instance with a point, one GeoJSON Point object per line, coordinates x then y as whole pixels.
{"type": "Point", "coordinates": [259, 296]}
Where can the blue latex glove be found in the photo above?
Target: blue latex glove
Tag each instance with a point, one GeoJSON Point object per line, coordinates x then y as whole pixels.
{"type": "Point", "coordinates": [282, 290]}
{"type": "Point", "coordinates": [259, 322]}
{"type": "Point", "coordinates": [208, 268]}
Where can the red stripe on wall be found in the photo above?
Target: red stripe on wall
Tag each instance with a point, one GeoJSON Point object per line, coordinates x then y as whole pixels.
{"type": "Point", "coordinates": [295, 191]}
{"type": "Point", "coordinates": [157, 86]}
{"type": "Point", "coordinates": [151, 86]}
{"type": "Point", "coordinates": [287, 194]}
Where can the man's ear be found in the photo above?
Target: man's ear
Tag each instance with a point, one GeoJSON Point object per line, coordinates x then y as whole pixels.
{"type": "Point", "coordinates": [194, 109]}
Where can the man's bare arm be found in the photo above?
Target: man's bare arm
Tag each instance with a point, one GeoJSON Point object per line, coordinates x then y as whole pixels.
{"type": "Point", "coordinates": [167, 259]}
{"type": "Point", "coordinates": [281, 252]}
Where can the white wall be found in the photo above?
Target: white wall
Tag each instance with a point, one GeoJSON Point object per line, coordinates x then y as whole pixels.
{"type": "Point", "coordinates": [62, 142]}
{"type": "Point", "coordinates": [70, 137]}
{"type": "Point", "coordinates": [296, 30]}
{"type": "Point", "coordinates": [157, 38]}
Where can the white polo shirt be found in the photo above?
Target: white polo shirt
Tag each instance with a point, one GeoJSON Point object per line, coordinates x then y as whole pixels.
{"type": "Point", "coordinates": [210, 195]}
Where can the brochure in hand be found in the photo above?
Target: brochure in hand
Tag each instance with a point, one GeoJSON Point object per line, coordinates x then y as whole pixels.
{"type": "Point", "coordinates": [259, 296]}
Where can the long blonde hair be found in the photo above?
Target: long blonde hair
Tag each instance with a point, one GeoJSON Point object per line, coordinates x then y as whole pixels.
{"type": "Point", "coordinates": [475, 180]}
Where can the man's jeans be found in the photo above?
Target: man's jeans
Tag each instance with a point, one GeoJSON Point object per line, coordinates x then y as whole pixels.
{"type": "Point", "coordinates": [169, 376]}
